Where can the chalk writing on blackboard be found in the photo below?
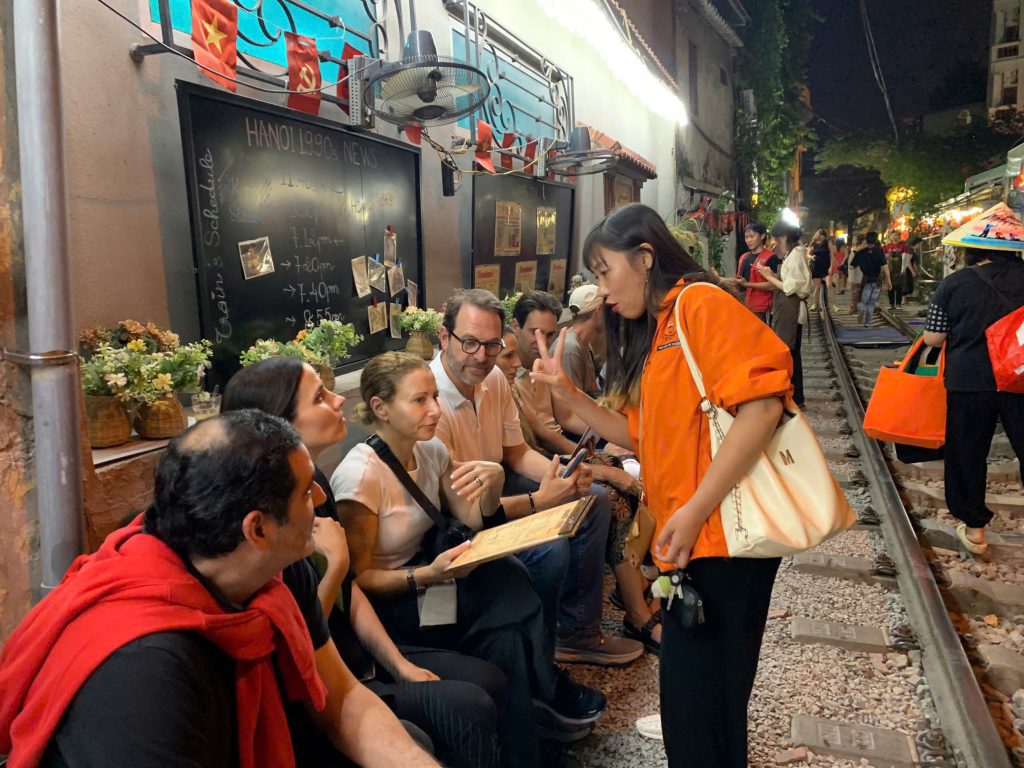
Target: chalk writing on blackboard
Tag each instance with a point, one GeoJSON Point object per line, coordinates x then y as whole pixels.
{"type": "Point", "coordinates": [208, 185]}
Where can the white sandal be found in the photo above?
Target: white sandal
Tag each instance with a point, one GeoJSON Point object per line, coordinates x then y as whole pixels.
{"type": "Point", "coordinates": [971, 546]}
{"type": "Point", "coordinates": [650, 727]}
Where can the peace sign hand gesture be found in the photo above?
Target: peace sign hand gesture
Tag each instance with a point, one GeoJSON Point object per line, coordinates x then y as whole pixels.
{"type": "Point", "coordinates": [547, 368]}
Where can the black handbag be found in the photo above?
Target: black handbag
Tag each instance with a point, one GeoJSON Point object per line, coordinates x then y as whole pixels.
{"type": "Point", "coordinates": [447, 532]}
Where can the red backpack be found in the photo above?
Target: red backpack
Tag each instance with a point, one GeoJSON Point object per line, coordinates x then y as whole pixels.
{"type": "Point", "coordinates": [1006, 343]}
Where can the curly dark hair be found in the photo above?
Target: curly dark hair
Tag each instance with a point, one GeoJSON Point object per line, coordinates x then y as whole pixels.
{"type": "Point", "coordinates": [214, 474]}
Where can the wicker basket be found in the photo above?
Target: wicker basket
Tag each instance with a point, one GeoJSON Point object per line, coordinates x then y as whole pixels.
{"type": "Point", "coordinates": [326, 374]}
{"type": "Point", "coordinates": [164, 418]}
{"type": "Point", "coordinates": [419, 344]}
{"type": "Point", "coordinates": [108, 421]}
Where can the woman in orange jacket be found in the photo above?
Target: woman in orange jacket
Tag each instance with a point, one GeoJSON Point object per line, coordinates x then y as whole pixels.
{"type": "Point", "coordinates": [707, 669]}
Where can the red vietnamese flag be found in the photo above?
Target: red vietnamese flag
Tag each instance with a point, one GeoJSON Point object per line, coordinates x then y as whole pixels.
{"type": "Point", "coordinates": [344, 72]}
{"type": "Point", "coordinates": [506, 143]}
{"type": "Point", "coordinates": [303, 73]}
{"type": "Point", "coordinates": [214, 36]}
{"type": "Point", "coordinates": [485, 140]}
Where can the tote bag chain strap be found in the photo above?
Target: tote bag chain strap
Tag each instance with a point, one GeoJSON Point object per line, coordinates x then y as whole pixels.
{"type": "Point", "coordinates": [706, 405]}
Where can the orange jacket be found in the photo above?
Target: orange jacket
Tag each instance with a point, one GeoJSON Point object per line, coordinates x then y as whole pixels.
{"type": "Point", "coordinates": [741, 360]}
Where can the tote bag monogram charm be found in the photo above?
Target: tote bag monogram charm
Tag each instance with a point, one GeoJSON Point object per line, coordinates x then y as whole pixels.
{"type": "Point", "coordinates": [787, 501]}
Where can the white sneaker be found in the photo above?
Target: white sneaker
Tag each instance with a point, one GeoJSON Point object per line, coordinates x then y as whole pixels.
{"type": "Point", "coordinates": [650, 727]}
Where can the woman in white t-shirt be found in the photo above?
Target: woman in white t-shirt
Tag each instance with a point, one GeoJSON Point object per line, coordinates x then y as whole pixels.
{"type": "Point", "coordinates": [492, 612]}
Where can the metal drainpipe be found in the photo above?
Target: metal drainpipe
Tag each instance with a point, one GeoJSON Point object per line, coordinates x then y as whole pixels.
{"type": "Point", "coordinates": [44, 217]}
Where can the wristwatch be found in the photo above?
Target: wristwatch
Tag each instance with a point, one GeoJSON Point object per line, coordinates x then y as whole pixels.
{"type": "Point", "coordinates": [410, 579]}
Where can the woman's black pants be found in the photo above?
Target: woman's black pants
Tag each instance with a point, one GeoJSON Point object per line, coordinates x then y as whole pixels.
{"type": "Point", "coordinates": [707, 672]}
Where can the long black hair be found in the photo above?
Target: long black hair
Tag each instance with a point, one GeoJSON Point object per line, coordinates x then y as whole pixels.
{"type": "Point", "coordinates": [272, 385]}
{"type": "Point", "coordinates": [633, 229]}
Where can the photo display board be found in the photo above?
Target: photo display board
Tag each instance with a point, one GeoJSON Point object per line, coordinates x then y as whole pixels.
{"type": "Point", "coordinates": [522, 234]}
{"type": "Point", "coordinates": [296, 219]}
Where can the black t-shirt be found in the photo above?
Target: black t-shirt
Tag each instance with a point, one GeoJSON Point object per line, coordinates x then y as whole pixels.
{"type": "Point", "coordinates": [167, 699]}
{"type": "Point", "coordinates": [869, 261]}
{"type": "Point", "coordinates": [351, 650]}
{"type": "Point", "coordinates": [964, 306]}
{"type": "Point", "coordinates": [746, 262]}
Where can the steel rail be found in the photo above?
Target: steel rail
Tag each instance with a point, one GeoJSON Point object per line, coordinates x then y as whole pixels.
{"type": "Point", "coordinates": [964, 715]}
{"type": "Point", "coordinates": [899, 323]}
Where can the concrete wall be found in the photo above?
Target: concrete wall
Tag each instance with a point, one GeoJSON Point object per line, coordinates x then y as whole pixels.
{"type": "Point", "coordinates": [17, 523]}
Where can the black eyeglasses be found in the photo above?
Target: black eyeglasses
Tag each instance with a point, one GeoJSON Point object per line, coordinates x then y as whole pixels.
{"type": "Point", "coordinates": [470, 346]}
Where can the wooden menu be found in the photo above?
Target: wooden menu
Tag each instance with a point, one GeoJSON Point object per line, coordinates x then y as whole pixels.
{"type": "Point", "coordinates": [540, 528]}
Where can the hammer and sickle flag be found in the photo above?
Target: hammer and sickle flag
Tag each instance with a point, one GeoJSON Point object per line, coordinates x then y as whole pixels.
{"type": "Point", "coordinates": [214, 37]}
{"type": "Point", "coordinates": [303, 73]}
{"type": "Point", "coordinates": [484, 144]}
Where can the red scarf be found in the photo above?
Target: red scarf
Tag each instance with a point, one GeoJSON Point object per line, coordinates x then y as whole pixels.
{"type": "Point", "coordinates": [136, 586]}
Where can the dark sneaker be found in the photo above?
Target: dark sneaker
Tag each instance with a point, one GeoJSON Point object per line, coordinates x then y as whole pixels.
{"type": "Point", "coordinates": [573, 708]}
{"type": "Point", "coordinates": [606, 651]}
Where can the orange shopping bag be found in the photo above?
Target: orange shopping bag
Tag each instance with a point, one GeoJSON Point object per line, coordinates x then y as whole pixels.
{"type": "Point", "coordinates": [906, 407]}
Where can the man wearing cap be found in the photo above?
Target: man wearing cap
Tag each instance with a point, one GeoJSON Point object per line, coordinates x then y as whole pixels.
{"type": "Point", "coordinates": [586, 332]}
{"type": "Point", "coordinates": [962, 308]}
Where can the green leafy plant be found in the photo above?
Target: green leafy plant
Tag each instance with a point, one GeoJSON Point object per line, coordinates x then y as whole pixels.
{"type": "Point", "coordinates": [510, 304]}
{"type": "Point", "coordinates": [330, 340]}
{"type": "Point", "coordinates": [135, 376]}
{"type": "Point", "coordinates": [416, 319]}
{"type": "Point", "coordinates": [687, 233]}
{"type": "Point", "coordinates": [265, 348]}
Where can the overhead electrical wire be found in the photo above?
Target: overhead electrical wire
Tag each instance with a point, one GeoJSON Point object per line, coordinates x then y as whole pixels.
{"type": "Point", "coordinates": [876, 66]}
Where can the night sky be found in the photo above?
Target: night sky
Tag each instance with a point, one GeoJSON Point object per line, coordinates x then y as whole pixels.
{"type": "Point", "coordinates": [916, 41]}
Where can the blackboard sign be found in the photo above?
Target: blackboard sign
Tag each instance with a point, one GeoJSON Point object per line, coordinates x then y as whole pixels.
{"type": "Point", "coordinates": [522, 234]}
{"type": "Point", "coordinates": [281, 203]}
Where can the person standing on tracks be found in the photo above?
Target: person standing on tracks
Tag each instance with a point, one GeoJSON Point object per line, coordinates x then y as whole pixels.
{"type": "Point", "coordinates": [822, 250]}
{"type": "Point", "coordinates": [854, 275]}
{"type": "Point", "coordinates": [758, 297]}
{"type": "Point", "coordinates": [789, 306]}
{"type": "Point", "coordinates": [874, 272]}
{"type": "Point", "coordinates": [706, 670]}
{"type": "Point", "coordinates": [963, 306]}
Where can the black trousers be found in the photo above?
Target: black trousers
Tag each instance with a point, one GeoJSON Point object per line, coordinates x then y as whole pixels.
{"type": "Point", "coordinates": [970, 425]}
{"type": "Point", "coordinates": [459, 712]}
{"type": "Point", "coordinates": [500, 620]}
{"type": "Point", "coordinates": [798, 367]}
{"type": "Point", "coordinates": [707, 672]}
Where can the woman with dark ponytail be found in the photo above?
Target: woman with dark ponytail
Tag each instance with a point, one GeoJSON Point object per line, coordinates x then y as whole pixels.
{"type": "Point", "coordinates": [707, 668]}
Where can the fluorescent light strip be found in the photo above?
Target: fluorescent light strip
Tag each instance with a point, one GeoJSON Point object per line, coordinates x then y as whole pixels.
{"type": "Point", "coordinates": [587, 20]}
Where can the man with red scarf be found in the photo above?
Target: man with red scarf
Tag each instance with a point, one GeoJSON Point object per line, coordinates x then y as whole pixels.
{"type": "Point", "coordinates": [178, 644]}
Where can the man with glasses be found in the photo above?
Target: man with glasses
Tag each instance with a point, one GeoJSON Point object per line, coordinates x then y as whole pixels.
{"type": "Point", "coordinates": [479, 420]}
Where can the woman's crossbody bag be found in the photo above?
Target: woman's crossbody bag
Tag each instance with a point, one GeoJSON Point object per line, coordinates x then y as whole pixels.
{"type": "Point", "coordinates": [787, 501]}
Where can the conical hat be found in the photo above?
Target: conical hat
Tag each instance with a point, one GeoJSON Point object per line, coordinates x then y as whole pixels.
{"type": "Point", "coordinates": [998, 229]}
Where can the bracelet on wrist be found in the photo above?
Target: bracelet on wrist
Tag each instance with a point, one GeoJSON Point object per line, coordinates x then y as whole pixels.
{"type": "Point", "coordinates": [533, 506]}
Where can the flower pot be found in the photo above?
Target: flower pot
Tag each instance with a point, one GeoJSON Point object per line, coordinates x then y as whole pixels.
{"type": "Point", "coordinates": [419, 344]}
{"type": "Point", "coordinates": [326, 374]}
{"type": "Point", "coordinates": [107, 420]}
{"type": "Point", "coordinates": [163, 418]}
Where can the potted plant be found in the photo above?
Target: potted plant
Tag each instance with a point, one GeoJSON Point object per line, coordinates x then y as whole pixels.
{"type": "Point", "coordinates": [421, 324]}
{"type": "Point", "coordinates": [180, 368]}
{"type": "Point", "coordinates": [133, 370]}
{"type": "Point", "coordinates": [111, 380]}
{"type": "Point", "coordinates": [331, 341]}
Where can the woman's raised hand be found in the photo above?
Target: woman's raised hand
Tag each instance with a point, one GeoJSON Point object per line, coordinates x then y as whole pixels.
{"type": "Point", "coordinates": [547, 368]}
{"type": "Point", "coordinates": [471, 479]}
{"type": "Point", "coordinates": [330, 541]}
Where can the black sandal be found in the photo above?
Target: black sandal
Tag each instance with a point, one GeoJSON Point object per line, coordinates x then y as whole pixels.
{"type": "Point", "coordinates": [645, 634]}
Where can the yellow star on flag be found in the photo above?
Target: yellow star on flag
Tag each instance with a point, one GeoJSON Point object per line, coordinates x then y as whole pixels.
{"type": "Point", "coordinates": [213, 34]}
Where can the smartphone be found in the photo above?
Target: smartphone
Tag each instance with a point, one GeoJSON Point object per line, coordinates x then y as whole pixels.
{"type": "Point", "coordinates": [579, 453]}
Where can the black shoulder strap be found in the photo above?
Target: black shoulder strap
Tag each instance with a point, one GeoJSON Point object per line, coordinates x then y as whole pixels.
{"type": "Point", "coordinates": [388, 457]}
{"type": "Point", "coordinates": [991, 284]}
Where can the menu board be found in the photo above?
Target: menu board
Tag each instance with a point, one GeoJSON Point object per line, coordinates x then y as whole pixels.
{"type": "Point", "coordinates": [295, 219]}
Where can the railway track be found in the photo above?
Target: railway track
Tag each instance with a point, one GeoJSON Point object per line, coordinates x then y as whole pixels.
{"type": "Point", "coordinates": [885, 646]}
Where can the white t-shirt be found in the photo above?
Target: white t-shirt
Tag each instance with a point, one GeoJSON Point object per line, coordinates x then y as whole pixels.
{"type": "Point", "coordinates": [478, 430]}
{"type": "Point", "coordinates": [401, 523]}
